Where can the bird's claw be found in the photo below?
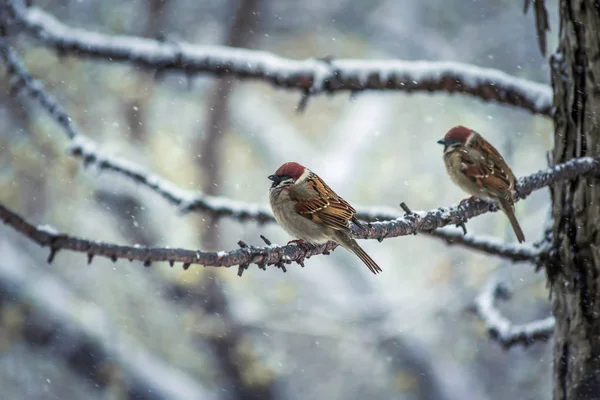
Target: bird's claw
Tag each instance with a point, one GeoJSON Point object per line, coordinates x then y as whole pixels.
{"type": "Point", "coordinates": [301, 243]}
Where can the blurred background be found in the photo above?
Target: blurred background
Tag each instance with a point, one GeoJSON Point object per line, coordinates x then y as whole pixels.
{"type": "Point", "coordinates": [328, 331]}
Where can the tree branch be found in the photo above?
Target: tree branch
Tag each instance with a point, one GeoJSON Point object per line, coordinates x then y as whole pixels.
{"type": "Point", "coordinates": [501, 328]}
{"type": "Point", "coordinates": [85, 149]}
{"type": "Point", "coordinates": [409, 224]}
{"type": "Point", "coordinates": [46, 236]}
{"type": "Point", "coordinates": [311, 76]}
{"type": "Point", "coordinates": [417, 221]}
{"type": "Point", "coordinates": [393, 224]}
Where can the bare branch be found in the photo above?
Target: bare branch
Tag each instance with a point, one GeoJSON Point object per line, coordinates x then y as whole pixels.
{"type": "Point", "coordinates": [312, 76]}
{"type": "Point", "coordinates": [86, 149]}
{"type": "Point", "coordinates": [501, 328]}
{"type": "Point", "coordinates": [244, 256]}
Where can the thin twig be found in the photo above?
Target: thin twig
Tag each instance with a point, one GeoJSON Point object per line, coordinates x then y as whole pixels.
{"type": "Point", "coordinates": [310, 76]}
{"type": "Point", "coordinates": [501, 328]}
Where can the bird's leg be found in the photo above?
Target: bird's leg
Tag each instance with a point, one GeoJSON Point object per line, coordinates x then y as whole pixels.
{"type": "Point", "coordinates": [301, 243]}
{"type": "Point", "coordinates": [462, 223]}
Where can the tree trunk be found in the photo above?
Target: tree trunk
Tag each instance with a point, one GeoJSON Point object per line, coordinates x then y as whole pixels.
{"type": "Point", "coordinates": [574, 270]}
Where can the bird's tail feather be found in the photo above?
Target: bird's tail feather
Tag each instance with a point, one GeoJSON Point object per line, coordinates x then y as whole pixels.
{"type": "Point", "coordinates": [356, 249]}
{"type": "Point", "coordinates": [509, 210]}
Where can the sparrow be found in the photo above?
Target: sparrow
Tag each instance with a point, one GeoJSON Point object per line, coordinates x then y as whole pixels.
{"type": "Point", "coordinates": [311, 211]}
{"type": "Point", "coordinates": [479, 169]}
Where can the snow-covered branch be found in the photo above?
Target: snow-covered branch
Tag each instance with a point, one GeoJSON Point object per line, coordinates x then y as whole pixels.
{"type": "Point", "coordinates": [417, 221]}
{"type": "Point", "coordinates": [411, 223]}
{"type": "Point", "coordinates": [86, 149]}
{"type": "Point", "coordinates": [501, 328]}
{"type": "Point", "coordinates": [46, 236]}
{"type": "Point", "coordinates": [386, 221]}
{"type": "Point", "coordinates": [311, 76]}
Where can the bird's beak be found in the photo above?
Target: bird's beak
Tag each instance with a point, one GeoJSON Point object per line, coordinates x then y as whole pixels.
{"type": "Point", "coordinates": [276, 179]}
{"type": "Point", "coordinates": [442, 142]}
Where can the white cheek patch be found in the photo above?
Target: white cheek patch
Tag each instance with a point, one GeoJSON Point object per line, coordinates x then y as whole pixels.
{"type": "Point", "coordinates": [470, 139]}
{"type": "Point", "coordinates": [304, 175]}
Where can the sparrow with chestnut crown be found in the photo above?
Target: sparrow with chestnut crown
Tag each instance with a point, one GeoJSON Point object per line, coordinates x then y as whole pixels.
{"type": "Point", "coordinates": [479, 169]}
{"type": "Point", "coordinates": [311, 211]}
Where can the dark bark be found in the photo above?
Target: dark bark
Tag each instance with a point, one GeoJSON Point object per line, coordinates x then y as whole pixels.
{"type": "Point", "coordinates": [575, 268]}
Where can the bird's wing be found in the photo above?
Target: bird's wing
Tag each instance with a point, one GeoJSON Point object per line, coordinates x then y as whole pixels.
{"type": "Point", "coordinates": [325, 206]}
{"type": "Point", "coordinates": [484, 165]}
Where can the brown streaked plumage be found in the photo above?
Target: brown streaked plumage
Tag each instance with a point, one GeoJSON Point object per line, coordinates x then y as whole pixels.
{"type": "Point", "coordinates": [479, 169]}
{"type": "Point", "coordinates": [308, 209]}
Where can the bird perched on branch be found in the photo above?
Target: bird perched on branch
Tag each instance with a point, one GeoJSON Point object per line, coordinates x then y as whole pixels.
{"type": "Point", "coordinates": [479, 169]}
{"type": "Point", "coordinates": [311, 211]}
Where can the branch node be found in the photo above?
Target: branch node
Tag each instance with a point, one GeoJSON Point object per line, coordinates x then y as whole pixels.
{"type": "Point", "coordinates": [53, 251]}
{"type": "Point", "coordinates": [114, 258]}
{"type": "Point", "coordinates": [267, 241]}
{"type": "Point", "coordinates": [407, 211]}
{"type": "Point", "coordinates": [186, 266]}
{"type": "Point", "coordinates": [280, 264]}
{"type": "Point", "coordinates": [171, 263]}
{"type": "Point", "coordinates": [147, 263]}
{"type": "Point", "coordinates": [261, 265]}
{"type": "Point", "coordinates": [242, 268]}
{"type": "Point", "coordinates": [90, 257]}
{"type": "Point", "coordinates": [463, 227]}
{"type": "Point", "coordinates": [306, 93]}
